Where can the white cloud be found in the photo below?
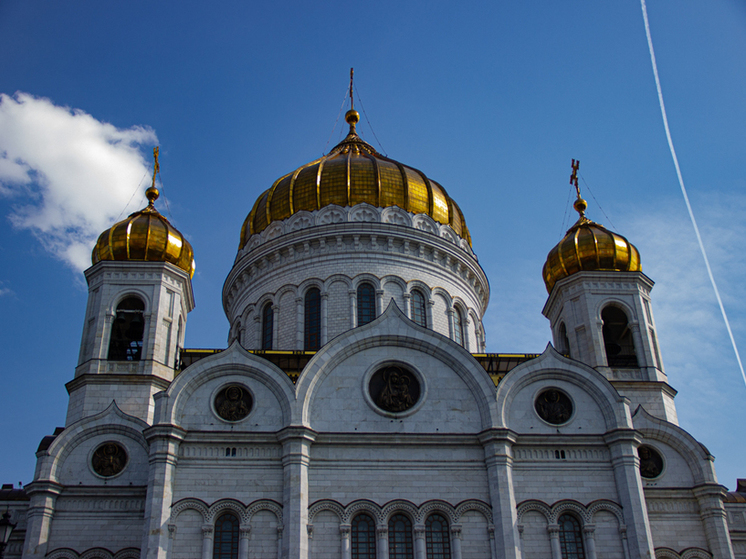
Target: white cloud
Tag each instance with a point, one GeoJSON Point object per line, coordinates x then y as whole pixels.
{"type": "Point", "coordinates": [68, 175]}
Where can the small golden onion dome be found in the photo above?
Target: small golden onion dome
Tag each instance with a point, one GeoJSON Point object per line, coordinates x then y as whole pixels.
{"type": "Point", "coordinates": [586, 247]}
{"type": "Point", "coordinates": [145, 236]}
{"type": "Point", "coordinates": [353, 172]}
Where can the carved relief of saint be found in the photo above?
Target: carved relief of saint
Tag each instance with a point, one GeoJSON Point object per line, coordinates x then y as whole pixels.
{"type": "Point", "coordinates": [554, 407]}
{"type": "Point", "coordinates": [233, 403]}
{"type": "Point", "coordinates": [109, 459]}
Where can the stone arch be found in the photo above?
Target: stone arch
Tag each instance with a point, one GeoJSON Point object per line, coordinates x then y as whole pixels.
{"type": "Point", "coordinates": [666, 553]}
{"type": "Point", "coordinates": [473, 505]}
{"type": "Point", "coordinates": [607, 506]}
{"type": "Point", "coordinates": [331, 214]}
{"type": "Point", "coordinates": [223, 505]}
{"type": "Point", "coordinates": [364, 212]}
{"type": "Point", "coordinates": [302, 219]}
{"type": "Point", "coordinates": [97, 553]}
{"type": "Point", "coordinates": [366, 278]}
{"type": "Point", "coordinates": [449, 234]}
{"type": "Point", "coordinates": [399, 506]}
{"type": "Point", "coordinates": [128, 553]}
{"type": "Point", "coordinates": [561, 507]}
{"type": "Point", "coordinates": [396, 216]}
{"type": "Point", "coordinates": [189, 504]}
{"type": "Point", "coordinates": [309, 283]}
{"type": "Point", "coordinates": [264, 504]}
{"type": "Point", "coordinates": [130, 291]}
{"type": "Point", "coordinates": [533, 506]}
{"type": "Point", "coordinates": [425, 223]}
{"type": "Point", "coordinates": [62, 553]}
{"type": "Point", "coordinates": [363, 505]}
{"type": "Point", "coordinates": [326, 505]}
{"type": "Point", "coordinates": [342, 278]}
{"type": "Point", "coordinates": [437, 506]}
{"type": "Point", "coordinates": [695, 553]}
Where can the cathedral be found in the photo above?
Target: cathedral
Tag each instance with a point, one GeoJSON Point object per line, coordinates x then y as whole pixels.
{"type": "Point", "coordinates": [354, 413]}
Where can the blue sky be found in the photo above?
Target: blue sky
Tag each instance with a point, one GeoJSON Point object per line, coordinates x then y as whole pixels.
{"type": "Point", "coordinates": [490, 99]}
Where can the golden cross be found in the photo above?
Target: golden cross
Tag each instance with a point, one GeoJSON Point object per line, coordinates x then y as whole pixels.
{"type": "Point", "coordinates": [156, 167]}
{"type": "Point", "coordinates": [352, 101]}
{"type": "Point", "coordinates": [574, 176]}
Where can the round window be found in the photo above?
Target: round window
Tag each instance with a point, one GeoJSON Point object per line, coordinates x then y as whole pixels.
{"type": "Point", "coordinates": [394, 389]}
{"type": "Point", "coordinates": [109, 459]}
{"type": "Point", "coordinates": [651, 462]}
{"type": "Point", "coordinates": [233, 403]}
{"type": "Point", "coordinates": [553, 406]}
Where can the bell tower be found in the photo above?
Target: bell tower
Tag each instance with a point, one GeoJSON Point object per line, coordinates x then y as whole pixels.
{"type": "Point", "coordinates": [139, 295]}
{"type": "Point", "coordinates": [599, 308]}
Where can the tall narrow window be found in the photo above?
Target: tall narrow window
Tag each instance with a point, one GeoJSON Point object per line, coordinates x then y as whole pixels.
{"type": "Point", "coordinates": [366, 304]}
{"type": "Point", "coordinates": [437, 538]}
{"type": "Point", "coordinates": [458, 326]}
{"type": "Point", "coordinates": [363, 532]}
{"type": "Point", "coordinates": [268, 317]}
{"type": "Point", "coordinates": [571, 538]}
{"type": "Point", "coordinates": [127, 331]}
{"type": "Point", "coordinates": [620, 347]}
{"type": "Point", "coordinates": [312, 322]}
{"type": "Point", "coordinates": [400, 537]}
{"type": "Point", "coordinates": [226, 537]}
{"type": "Point", "coordinates": [417, 306]}
{"type": "Point", "coordinates": [563, 341]}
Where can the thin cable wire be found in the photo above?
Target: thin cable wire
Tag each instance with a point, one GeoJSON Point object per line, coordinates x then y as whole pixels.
{"type": "Point", "coordinates": [341, 107]}
{"type": "Point", "coordinates": [683, 188]}
{"type": "Point", "coordinates": [565, 218]}
{"type": "Point", "coordinates": [368, 121]}
{"type": "Point", "coordinates": [588, 188]}
{"type": "Point", "coordinates": [131, 197]}
{"type": "Point", "coordinates": [163, 192]}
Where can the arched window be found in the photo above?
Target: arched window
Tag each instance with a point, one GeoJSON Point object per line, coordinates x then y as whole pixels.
{"type": "Point", "coordinates": [363, 532]}
{"type": "Point", "coordinates": [437, 538]}
{"type": "Point", "coordinates": [563, 341]}
{"type": "Point", "coordinates": [312, 330]}
{"type": "Point", "coordinates": [620, 348]}
{"type": "Point", "coordinates": [417, 306]}
{"type": "Point", "coordinates": [127, 331]}
{"type": "Point", "coordinates": [458, 326]}
{"type": "Point", "coordinates": [226, 537]}
{"type": "Point", "coordinates": [400, 537]}
{"type": "Point", "coordinates": [366, 304]}
{"type": "Point", "coordinates": [268, 317]}
{"type": "Point", "coordinates": [571, 538]}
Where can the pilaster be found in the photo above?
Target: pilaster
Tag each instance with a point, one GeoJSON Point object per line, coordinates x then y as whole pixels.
{"type": "Point", "coordinates": [43, 497]}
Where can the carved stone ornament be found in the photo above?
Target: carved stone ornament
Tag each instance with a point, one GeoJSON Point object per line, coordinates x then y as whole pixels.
{"type": "Point", "coordinates": [394, 389]}
{"type": "Point", "coordinates": [553, 406]}
{"type": "Point", "coordinates": [233, 402]}
{"type": "Point", "coordinates": [651, 462]}
{"type": "Point", "coordinates": [109, 459]}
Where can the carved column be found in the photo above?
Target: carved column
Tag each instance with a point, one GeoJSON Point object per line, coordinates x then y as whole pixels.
{"type": "Point", "coordinates": [623, 535]}
{"type": "Point", "coordinates": [379, 302]}
{"type": "Point", "coordinates": [280, 530]}
{"type": "Point", "coordinates": [451, 326]}
{"type": "Point", "coordinates": [300, 325]}
{"type": "Point", "coordinates": [590, 540]}
{"type": "Point", "coordinates": [324, 317]}
{"type": "Point", "coordinates": [554, 542]}
{"type": "Point", "coordinates": [244, 533]}
{"type": "Point", "coordinates": [382, 536]}
{"type": "Point", "coordinates": [429, 318]}
{"type": "Point", "coordinates": [43, 497]}
{"type": "Point", "coordinates": [164, 441]}
{"type": "Point", "coordinates": [407, 306]}
{"type": "Point", "coordinates": [711, 511]}
{"type": "Point", "coordinates": [623, 445]}
{"type": "Point", "coordinates": [344, 535]}
{"type": "Point", "coordinates": [208, 535]}
{"type": "Point", "coordinates": [353, 307]}
{"type": "Point", "coordinates": [456, 541]}
{"type": "Point", "coordinates": [498, 457]}
{"type": "Point", "coordinates": [491, 532]}
{"type": "Point", "coordinates": [419, 541]}
{"type": "Point", "coordinates": [171, 536]}
{"type": "Point", "coordinates": [296, 447]}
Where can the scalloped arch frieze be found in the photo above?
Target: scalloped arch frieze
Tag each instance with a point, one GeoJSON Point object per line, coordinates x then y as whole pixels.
{"type": "Point", "coordinates": [210, 512]}
{"type": "Point", "coordinates": [585, 512]}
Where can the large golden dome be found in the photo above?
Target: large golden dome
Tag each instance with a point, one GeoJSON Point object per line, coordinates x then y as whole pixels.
{"type": "Point", "coordinates": [145, 236]}
{"type": "Point", "coordinates": [352, 173]}
{"type": "Point", "coordinates": [586, 247]}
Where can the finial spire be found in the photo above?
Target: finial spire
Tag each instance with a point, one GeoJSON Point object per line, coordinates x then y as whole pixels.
{"type": "Point", "coordinates": [152, 192]}
{"type": "Point", "coordinates": [580, 205]}
{"type": "Point", "coordinates": [352, 116]}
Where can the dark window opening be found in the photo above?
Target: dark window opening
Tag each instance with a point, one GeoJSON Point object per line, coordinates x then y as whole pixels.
{"type": "Point", "coordinates": [563, 341]}
{"type": "Point", "coordinates": [363, 532]}
{"type": "Point", "coordinates": [268, 317]}
{"type": "Point", "coordinates": [312, 330]}
{"type": "Point", "coordinates": [571, 538]}
{"type": "Point", "coordinates": [226, 537]}
{"type": "Point", "coordinates": [400, 537]}
{"type": "Point", "coordinates": [418, 309]}
{"type": "Point", "coordinates": [458, 326]}
{"type": "Point", "coordinates": [618, 342]}
{"type": "Point", "coordinates": [127, 331]}
{"type": "Point", "coordinates": [437, 537]}
{"type": "Point", "coordinates": [366, 304]}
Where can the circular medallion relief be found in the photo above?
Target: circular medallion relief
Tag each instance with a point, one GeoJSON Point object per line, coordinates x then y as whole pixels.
{"type": "Point", "coordinates": [233, 402]}
{"type": "Point", "coordinates": [394, 389]}
{"type": "Point", "coordinates": [651, 462]}
{"type": "Point", "coordinates": [109, 459]}
{"type": "Point", "coordinates": [553, 406]}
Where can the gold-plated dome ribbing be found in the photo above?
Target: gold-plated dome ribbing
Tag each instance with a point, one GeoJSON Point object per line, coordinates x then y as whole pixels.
{"type": "Point", "coordinates": [589, 246]}
{"type": "Point", "coordinates": [145, 236]}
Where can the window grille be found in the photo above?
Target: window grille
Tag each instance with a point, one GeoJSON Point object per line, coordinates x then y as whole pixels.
{"type": "Point", "coordinates": [226, 537]}
{"type": "Point", "coordinates": [458, 326]}
{"type": "Point", "coordinates": [437, 537]}
{"type": "Point", "coordinates": [127, 331]}
{"type": "Point", "coordinates": [363, 532]}
{"type": "Point", "coordinates": [571, 538]}
{"type": "Point", "coordinates": [267, 326]}
{"type": "Point", "coordinates": [417, 306]}
{"type": "Point", "coordinates": [366, 304]}
{"type": "Point", "coordinates": [312, 333]}
{"type": "Point", "coordinates": [400, 537]}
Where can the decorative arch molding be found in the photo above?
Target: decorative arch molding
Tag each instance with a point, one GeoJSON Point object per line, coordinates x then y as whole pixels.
{"type": "Point", "coordinates": [612, 301]}
{"type": "Point", "coordinates": [418, 514]}
{"type": "Point", "coordinates": [688, 553]}
{"type": "Point", "coordinates": [111, 421]}
{"type": "Point", "coordinates": [694, 453]}
{"type": "Point", "coordinates": [130, 292]}
{"type": "Point", "coordinates": [551, 365]}
{"type": "Point", "coordinates": [63, 553]}
{"type": "Point", "coordinates": [585, 513]}
{"type": "Point", "coordinates": [341, 278]}
{"type": "Point", "coordinates": [128, 553]}
{"type": "Point", "coordinates": [210, 512]}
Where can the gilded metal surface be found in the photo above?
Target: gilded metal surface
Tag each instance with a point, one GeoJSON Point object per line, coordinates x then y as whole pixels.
{"type": "Point", "coordinates": [145, 236]}
{"type": "Point", "coordinates": [352, 173]}
{"type": "Point", "coordinates": [588, 246]}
